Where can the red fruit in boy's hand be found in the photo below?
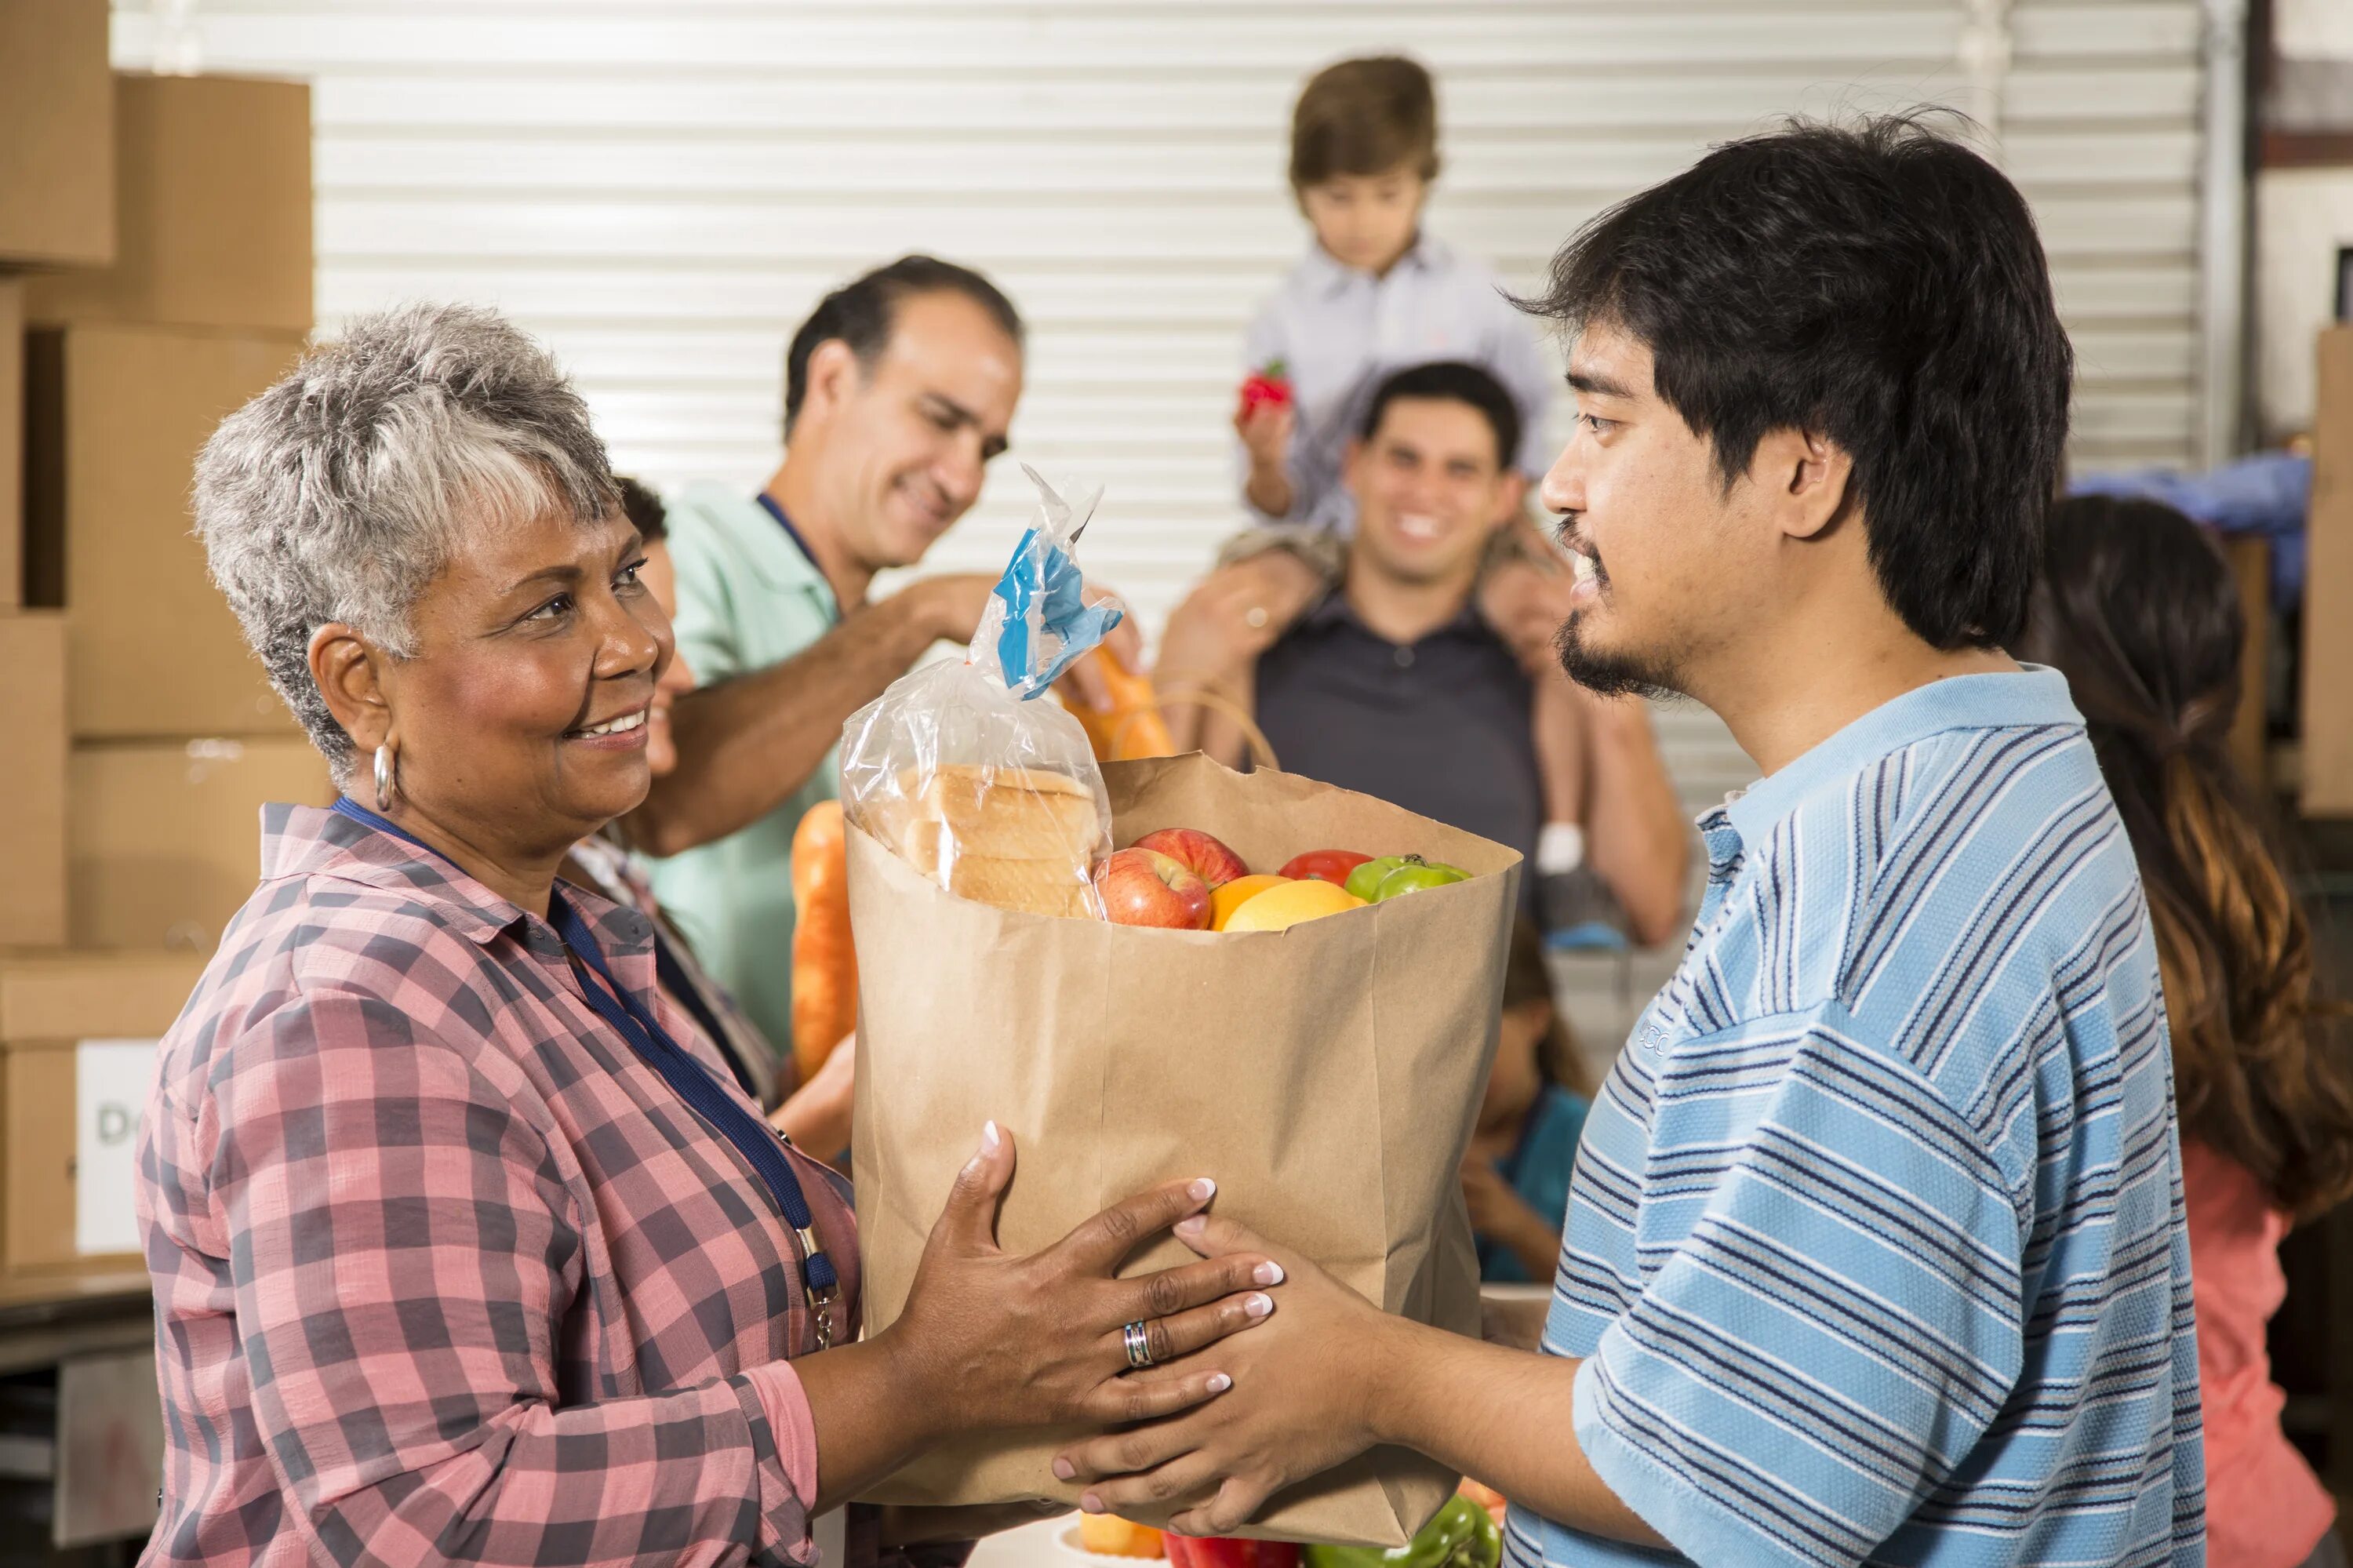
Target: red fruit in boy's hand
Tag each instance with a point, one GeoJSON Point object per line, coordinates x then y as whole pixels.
{"type": "Point", "coordinates": [1267, 388]}
{"type": "Point", "coordinates": [1323, 866]}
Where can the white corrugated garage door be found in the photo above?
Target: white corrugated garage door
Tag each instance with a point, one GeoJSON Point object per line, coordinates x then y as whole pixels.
{"type": "Point", "coordinates": [663, 190]}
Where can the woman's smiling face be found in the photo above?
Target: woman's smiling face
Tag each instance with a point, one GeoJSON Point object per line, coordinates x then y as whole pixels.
{"type": "Point", "coordinates": [522, 718]}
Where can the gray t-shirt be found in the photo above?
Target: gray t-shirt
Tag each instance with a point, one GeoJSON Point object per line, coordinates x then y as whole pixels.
{"type": "Point", "coordinates": [1441, 728]}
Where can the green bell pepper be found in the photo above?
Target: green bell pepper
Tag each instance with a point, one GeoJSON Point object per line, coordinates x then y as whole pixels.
{"type": "Point", "coordinates": [1462, 1535]}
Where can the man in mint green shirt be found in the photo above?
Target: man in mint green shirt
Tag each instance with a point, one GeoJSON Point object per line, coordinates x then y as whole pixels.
{"type": "Point", "coordinates": [899, 389]}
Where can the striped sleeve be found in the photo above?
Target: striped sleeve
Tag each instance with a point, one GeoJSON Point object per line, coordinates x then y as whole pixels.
{"type": "Point", "coordinates": [1839, 1327]}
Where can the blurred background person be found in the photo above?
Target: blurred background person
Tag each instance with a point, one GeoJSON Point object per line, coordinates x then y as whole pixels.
{"type": "Point", "coordinates": [1375, 292]}
{"type": "Point", "coordinates": [1523, 1146]}
{"type": "Point", "coordinates": [899, 391]}
{"type": "Point", "coordinates": [2137, 608]}
{"type": "Point", "coordinates": [1394, 683]}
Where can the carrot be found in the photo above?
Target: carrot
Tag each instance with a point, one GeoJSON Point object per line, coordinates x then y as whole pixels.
{"type": "Point", "coordinates": [1132, 728]}
{"type": "Point", "coordinates": [824, 965]}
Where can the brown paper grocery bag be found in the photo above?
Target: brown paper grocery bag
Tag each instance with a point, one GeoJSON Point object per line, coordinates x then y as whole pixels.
{"type": "Point", "coordinates": [1326, 1076]}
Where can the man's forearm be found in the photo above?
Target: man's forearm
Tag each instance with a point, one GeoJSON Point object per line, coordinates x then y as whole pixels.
{"type": "Point", "coordinates": [1270, 492]}
{"type": "Point", "coordinates": [1503, 1417]}
{"type": "Point", "coordinates": [745, 745]}
{"type": "Point", "coordinates": [1640, 842]}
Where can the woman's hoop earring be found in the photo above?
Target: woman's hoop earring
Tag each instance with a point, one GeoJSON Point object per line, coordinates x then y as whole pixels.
{"type": "Point", "coordinates": [387, 775]}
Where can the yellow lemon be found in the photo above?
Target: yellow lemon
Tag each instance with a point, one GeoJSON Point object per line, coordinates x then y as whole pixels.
{"type": "Point", "coordinates": [1224, 900]}
{"type": "Point", "coordinates": [1288, 904]}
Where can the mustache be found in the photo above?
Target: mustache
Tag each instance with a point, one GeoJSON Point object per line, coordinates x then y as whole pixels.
{"type": "Point", "coordinates": [1568, 533]}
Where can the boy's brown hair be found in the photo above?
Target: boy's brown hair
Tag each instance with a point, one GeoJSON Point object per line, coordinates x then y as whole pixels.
{"type": "Point", "coordinates": [1363, 117]}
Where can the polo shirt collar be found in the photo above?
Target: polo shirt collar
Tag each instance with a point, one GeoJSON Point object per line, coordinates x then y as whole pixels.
{"type": "Point", "coordinates": [1329, 274]}
{"type": "Point", "coordinates": [2034, 694]}
{"type": "Point", "coordinates": [776, 557]}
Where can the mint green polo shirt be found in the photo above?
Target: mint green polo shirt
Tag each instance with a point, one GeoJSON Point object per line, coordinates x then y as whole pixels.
{"type": "Point", "coordinates": [748, 599]}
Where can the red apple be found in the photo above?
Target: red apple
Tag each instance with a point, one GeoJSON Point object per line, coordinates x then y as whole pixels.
{"type": "Point", "coordinates": [1145, 887]}
{"type": "Point", "coordinates": [1323, 866]}
{"type": "Point", "coordinates": [1197, 852]}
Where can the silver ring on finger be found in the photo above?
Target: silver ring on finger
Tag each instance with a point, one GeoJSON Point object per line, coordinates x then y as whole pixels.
{"type": "Point", "coordinates": [1139, 1345]}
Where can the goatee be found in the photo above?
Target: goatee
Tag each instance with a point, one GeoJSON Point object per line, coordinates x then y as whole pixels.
{"type": "Point", "coordinates": [1608, 674]}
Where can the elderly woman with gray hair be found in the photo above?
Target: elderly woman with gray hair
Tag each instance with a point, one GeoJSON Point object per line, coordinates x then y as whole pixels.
{"type": "Point", "coordinates": [465, 1246]}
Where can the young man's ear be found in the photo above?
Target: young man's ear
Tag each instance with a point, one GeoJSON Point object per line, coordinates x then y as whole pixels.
{"type": "Point", "coordinates": [344, 666]}
{"type": "Point", "coordinates": [1804, 477]}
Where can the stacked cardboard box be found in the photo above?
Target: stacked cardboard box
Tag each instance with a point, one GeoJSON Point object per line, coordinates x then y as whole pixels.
{"type": "Point", "coordinates": [77, 1035]}
{"type": "Point", "coordinates": [177, 739]}
{"type": "Point", "coordinates": [57, 208]}
{"type": "Point", "coordinates": [150, 738]}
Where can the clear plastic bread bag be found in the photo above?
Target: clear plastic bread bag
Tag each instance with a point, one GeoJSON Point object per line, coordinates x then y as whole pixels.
{"type": "Point", "coordinates": [961, 771]}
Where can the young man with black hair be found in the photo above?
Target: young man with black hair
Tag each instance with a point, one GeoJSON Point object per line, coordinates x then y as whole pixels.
{"type": "Point", "coordinates": [899, 389]}
{"type": "Point", "coordinates": [1394, 683]}
{"type": "Point", "coordinates": [1875, 1248]}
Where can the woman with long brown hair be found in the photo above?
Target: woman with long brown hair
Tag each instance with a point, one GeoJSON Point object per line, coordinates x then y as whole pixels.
{"type": "Point", "coordinates": [2137, 607]}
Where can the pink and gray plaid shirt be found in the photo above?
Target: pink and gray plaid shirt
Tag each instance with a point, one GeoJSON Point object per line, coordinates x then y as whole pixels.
{"type": "Point", "coordinates": [443, 1272]}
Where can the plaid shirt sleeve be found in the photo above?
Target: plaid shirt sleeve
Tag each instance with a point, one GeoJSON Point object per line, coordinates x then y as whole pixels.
{"type": "Point", "coordinates": [403, 1248]}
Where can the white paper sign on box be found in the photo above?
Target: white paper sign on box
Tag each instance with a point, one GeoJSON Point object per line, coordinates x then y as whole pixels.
{"type": "Point", "coordinates": [110, 1079]}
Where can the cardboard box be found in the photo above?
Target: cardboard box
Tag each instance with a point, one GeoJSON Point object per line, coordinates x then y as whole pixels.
{"type": "Point", "coordinates": [78, 1034]}
{"type": "Point", "coordinates": [211, 194]}
{"type": "Point", "coordinates": [57, 134]}
{"type": "Point", "coordinates": [2327, 750]}
{"type": "Point", "coordinates": [117, 417]}
{"type": "Point", "coordinates": [33, 779]}
{"type": "Point", "coordinates": [12, 441]}
{"type": "Point", "coordinates": [163, 839]}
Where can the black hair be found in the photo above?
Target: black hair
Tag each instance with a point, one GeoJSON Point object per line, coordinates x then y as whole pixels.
{"type": "Point", "coordinates": [1458, 381]}
{"type": "Point", "coordinates": [2138, 609]}
{"type": "Point", "coordinates": [862, 310]}
{"type": "Point", "coordinates": [643, 508]}
{"type": "Point", "coordinates": [1878, 284]}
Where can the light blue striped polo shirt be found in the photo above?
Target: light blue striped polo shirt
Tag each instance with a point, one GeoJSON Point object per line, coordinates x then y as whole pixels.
{"type": "Point", "coordinates": [1875, 1246]}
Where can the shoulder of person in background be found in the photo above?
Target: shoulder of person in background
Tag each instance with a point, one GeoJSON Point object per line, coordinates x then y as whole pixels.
{"type": "Point", "coordinates": [709, 560]}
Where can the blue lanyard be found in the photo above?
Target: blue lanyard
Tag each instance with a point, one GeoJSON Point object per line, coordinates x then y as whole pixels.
{"type": "Point", "coordinates": [776, 509]}
{"type": "Point", "coordinates": [753, 1139]}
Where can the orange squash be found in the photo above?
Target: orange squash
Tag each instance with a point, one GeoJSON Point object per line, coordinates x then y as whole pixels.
{"type": "Point", "coordinates": [1132, 728]}
{"type": "Point", "coordinates": [825, 964]}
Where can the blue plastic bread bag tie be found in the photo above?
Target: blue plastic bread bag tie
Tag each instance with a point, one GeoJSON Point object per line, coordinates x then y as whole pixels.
{"type": "Point", "coordinates": [1043, 620]}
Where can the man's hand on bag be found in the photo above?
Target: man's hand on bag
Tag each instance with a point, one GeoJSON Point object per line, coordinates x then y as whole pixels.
{"type": "Point", "coordinates": [1302, 1402]}
{"type": "Point", "coordinates": [999, 1341]}
{"type": "Point", "coordinates": [949, 607]}
{"type": "Point", "coordinates": [1082, 684]}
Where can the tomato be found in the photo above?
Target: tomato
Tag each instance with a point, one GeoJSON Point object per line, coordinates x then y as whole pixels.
{"type": "Point", "coordinates": [1323, 866]}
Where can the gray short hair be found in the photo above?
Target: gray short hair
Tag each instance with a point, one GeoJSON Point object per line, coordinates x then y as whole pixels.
{"type": "Point", "coordinates": [338, 494]}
